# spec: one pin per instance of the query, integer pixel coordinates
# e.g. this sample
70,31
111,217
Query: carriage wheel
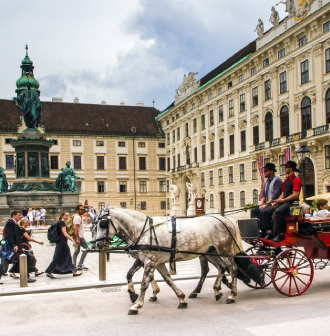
292,272
267,262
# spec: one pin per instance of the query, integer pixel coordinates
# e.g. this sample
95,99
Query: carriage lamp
302,154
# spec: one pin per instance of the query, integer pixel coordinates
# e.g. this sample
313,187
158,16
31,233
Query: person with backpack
62,261
79,238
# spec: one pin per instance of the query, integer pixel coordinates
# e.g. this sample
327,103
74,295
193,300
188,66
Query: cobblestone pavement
116,270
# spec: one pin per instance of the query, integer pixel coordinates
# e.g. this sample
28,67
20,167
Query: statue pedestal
191,211
176,210
70,199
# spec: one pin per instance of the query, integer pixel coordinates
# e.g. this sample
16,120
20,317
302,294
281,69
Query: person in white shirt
43,216
322,207
79,238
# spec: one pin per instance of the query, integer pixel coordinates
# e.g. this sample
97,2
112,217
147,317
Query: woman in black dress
62,260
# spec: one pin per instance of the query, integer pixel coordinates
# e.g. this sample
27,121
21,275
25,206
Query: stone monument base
191,211
176,210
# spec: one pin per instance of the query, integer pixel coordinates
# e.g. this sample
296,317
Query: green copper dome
27,75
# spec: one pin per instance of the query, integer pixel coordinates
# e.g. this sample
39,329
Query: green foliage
313,206
249,206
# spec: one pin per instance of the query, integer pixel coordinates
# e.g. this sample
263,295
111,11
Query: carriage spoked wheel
292,272
261,261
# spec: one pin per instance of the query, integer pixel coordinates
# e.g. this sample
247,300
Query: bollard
102,267
108,256
23,270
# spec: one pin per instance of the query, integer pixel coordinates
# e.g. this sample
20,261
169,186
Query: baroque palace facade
119,151
272,95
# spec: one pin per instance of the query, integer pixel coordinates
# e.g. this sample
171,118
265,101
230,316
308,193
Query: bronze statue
66,180
29,103
3,181
44,165
33,168
20,165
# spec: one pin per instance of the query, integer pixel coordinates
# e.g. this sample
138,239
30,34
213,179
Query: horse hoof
153,298
229,301
219,296
133,297
132,312
193,296
183,305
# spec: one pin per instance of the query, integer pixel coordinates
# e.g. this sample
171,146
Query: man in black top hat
290,193
271,192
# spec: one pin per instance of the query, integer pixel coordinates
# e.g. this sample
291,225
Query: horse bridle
104,223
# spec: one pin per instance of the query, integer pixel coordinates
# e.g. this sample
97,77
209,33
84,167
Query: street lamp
302,154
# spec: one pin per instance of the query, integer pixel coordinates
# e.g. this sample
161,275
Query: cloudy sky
128,50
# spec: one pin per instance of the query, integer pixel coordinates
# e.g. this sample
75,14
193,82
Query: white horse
202,235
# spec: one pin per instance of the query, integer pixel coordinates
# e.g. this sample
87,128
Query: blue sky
132,50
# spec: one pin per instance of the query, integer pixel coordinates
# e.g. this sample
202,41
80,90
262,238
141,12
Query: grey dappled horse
201,234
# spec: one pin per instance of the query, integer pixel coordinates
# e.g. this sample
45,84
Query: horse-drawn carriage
289,265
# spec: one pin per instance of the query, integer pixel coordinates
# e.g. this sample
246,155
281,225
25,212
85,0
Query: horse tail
237,236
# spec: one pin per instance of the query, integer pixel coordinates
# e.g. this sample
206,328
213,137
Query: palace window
143,186
187,155
231,199
281,163
167,186
281,53
168,164
99,143
100,162
173,136
195,125
122,162
121,144
167,122
220,113
267,89
269,127
231,144
202,179
255,197
254,170
178,133
122,186
177,116
203,153
302,41
141,144
143,205
173,119
326,27
77,162
231,174
161,144
184,110
304,72
163,205
174,165
241,172
210,96
179,161
167,203
243,141
76,142
240,78
201,102
203,121
100,187
230,84
265,62
255,96
211,177
242,102
7,141
195,154
162,186
242,198
142,162
53,162
253,71
101,206
306,114
211,118
256,135
193,105
220,90
168,138
327,156
212,150
231,108
55,142
221,148
328,107
10,162
327,60
161,163
122,205
284,115
220,176
211,201
283,86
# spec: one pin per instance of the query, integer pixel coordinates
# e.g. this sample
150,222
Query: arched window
188,155
242,198
328,106
211,201
255,197
306,115
284,121
231,199
269,127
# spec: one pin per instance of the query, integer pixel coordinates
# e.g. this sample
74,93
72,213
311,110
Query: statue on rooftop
260,28
274,17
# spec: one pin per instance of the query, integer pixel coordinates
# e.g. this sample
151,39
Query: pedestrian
37,217
84,218
43,216
12,234
24,212
93,211
79,238
27,248
30,216
62,261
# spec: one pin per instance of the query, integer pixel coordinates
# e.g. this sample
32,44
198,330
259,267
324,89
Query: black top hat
293,165
270,166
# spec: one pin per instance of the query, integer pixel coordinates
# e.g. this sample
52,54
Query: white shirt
43,212
323,214
78,221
